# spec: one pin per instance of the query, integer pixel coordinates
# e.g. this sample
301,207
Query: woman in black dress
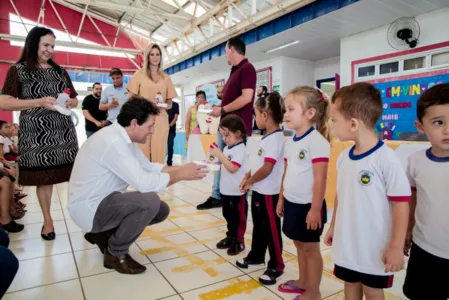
47,139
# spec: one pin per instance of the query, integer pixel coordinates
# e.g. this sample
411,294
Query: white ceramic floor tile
184,210
37,217
210,236
32,231
166,247
67,290
45,270
71,226
197,270
90,262
161,229
172,298
36,247
242,288
115,286
198,222
79,243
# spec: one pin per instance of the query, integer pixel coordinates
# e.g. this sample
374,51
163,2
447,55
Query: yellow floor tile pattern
180,254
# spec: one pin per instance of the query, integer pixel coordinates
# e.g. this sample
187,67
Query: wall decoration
211,93
399,99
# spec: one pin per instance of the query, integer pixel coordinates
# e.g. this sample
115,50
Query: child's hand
242,184
214,150
313,219
4,171
393,259
246,187
280,209
408,242
329,238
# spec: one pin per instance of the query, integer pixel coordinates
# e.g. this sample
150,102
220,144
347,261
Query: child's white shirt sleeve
273,153
238,157
411,173
397,184
320,151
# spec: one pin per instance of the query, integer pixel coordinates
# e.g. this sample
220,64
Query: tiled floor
180,255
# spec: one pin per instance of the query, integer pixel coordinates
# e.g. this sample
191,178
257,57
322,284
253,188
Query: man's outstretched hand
193,171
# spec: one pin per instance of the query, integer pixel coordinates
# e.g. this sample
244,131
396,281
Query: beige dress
140,84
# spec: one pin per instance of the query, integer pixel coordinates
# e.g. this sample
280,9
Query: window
387,68
414,63
366,71
264,78
440,59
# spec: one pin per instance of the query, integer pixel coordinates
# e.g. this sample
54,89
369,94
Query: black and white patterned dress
47,139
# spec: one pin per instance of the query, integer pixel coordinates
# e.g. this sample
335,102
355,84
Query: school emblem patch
211,158
366,178
230,157
302,154
260,152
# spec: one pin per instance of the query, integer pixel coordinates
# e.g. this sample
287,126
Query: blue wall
288,21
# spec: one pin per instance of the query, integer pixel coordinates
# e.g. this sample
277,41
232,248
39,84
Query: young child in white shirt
234,166
301,200
428,172
370,216
265,179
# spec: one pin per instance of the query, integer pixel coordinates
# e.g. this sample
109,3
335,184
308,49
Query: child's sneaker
236,248
244,263
270,276
225,243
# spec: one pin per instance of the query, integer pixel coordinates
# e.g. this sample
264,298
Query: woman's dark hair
234,124
137,108
201,93
2,123
273,104
29,53
264,89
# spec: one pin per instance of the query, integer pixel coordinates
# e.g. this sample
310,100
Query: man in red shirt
238,99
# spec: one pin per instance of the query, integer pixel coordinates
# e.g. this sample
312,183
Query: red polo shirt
243,76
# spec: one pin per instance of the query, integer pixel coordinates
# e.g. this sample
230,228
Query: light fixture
282,47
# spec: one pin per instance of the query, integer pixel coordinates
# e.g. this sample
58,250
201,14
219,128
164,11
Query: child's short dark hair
234,124
201,93
272,103
361,101
436,95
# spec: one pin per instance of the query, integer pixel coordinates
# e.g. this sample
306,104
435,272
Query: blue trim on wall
295,18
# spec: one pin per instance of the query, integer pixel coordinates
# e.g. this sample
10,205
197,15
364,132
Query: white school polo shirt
429,176
229,183
366,185
301,153
271,150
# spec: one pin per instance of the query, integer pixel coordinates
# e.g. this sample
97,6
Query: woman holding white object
153,84
47,143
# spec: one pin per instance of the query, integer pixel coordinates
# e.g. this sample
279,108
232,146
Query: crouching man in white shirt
105,166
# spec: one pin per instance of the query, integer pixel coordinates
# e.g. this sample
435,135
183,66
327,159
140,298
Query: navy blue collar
230,147
363,155
297,139
267,135
434,158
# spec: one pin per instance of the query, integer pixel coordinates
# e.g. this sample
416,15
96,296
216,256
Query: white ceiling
320,38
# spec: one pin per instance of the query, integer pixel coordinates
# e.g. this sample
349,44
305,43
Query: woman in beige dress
153,84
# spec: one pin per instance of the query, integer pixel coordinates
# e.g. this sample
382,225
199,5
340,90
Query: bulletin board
399,98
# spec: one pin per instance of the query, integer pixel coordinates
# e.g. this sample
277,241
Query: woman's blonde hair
146,63
318,100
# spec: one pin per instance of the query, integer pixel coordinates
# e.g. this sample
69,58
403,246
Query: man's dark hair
238,45
264,89
115,71
137,108
436,95
201,93
93,85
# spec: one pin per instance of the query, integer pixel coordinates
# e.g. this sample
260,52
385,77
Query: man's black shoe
210,203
